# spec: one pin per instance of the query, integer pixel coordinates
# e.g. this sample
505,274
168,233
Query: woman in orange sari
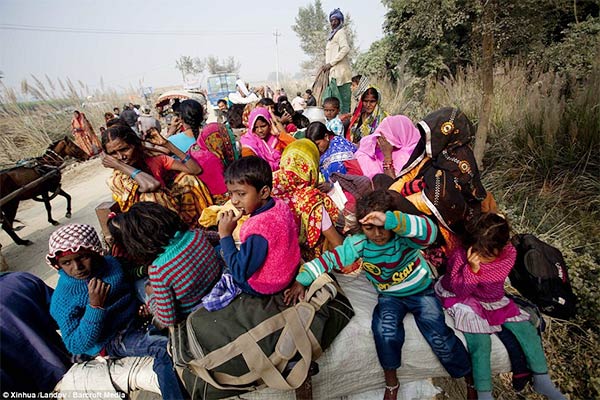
138,176
84,134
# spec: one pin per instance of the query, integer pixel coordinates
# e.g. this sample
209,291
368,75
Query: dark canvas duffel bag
257,341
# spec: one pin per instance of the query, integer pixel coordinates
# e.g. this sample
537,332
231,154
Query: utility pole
277,34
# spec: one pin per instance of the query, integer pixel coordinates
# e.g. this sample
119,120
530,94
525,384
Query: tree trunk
487,81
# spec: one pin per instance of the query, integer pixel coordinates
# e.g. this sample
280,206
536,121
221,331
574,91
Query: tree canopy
437,37
215,65
188,65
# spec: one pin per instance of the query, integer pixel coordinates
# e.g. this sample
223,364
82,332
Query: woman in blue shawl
334,149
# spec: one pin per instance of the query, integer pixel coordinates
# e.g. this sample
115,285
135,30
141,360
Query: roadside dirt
86,183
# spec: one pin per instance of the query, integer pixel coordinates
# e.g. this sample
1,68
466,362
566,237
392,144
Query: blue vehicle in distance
218,86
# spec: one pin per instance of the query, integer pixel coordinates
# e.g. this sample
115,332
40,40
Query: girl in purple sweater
473,292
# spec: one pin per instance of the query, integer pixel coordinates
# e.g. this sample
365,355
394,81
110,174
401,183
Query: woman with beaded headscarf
337,62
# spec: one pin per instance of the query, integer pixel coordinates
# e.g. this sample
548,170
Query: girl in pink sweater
473,292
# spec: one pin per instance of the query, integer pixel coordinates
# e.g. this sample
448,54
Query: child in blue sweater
390,245
95,308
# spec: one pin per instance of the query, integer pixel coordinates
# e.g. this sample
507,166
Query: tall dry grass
542,164
27,127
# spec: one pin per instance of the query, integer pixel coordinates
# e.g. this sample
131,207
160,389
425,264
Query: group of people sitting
412,208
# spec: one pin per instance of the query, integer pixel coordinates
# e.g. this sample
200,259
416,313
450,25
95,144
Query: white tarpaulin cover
350,366
348,370
102,378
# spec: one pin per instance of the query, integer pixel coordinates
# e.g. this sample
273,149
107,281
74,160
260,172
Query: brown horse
37,179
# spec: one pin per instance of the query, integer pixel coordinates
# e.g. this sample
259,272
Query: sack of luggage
540,274
257,341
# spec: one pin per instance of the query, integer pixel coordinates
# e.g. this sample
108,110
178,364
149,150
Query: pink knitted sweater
278,227
486,286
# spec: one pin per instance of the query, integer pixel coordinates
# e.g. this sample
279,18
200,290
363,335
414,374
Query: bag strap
297,330
177,336
202,367
284,350
261,367
295,337
323,280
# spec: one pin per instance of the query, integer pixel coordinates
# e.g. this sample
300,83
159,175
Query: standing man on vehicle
337,62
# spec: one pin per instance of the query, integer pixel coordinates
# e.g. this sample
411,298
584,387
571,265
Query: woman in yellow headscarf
295,183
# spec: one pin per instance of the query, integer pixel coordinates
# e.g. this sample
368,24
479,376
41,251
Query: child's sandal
391,392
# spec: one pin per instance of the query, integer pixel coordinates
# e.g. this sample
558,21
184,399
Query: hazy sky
71,43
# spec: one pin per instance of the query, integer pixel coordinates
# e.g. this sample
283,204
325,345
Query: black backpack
540,274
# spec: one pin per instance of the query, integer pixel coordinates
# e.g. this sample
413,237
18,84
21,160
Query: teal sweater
86,330
395,269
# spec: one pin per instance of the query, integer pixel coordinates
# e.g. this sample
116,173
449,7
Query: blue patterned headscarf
337,14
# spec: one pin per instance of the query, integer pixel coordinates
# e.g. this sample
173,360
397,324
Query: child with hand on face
269,254
95,308
390,245
473,292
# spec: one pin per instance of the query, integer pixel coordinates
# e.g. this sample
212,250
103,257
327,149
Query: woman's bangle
135,173
186,159
388,165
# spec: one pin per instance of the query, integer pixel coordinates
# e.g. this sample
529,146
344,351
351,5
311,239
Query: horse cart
37,179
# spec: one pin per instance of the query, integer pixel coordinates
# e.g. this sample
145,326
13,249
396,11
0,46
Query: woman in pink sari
262,139
213,169
388,150
84,134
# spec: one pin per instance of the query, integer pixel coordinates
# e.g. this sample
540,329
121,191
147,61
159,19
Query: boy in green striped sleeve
390,245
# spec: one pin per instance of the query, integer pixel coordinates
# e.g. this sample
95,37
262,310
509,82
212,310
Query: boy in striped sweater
183,266
390,245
